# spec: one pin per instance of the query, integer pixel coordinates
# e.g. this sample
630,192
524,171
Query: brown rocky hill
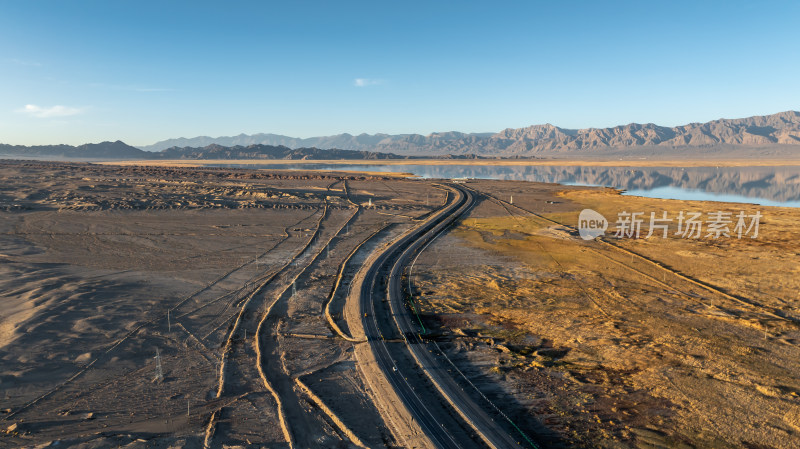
776,129
769,130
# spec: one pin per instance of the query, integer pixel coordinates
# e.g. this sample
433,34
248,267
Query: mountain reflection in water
775,186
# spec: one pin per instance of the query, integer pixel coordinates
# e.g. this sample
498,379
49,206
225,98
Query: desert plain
173,306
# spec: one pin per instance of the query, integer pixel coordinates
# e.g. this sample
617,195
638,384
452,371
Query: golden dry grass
643,355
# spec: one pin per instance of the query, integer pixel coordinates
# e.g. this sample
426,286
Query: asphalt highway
410,364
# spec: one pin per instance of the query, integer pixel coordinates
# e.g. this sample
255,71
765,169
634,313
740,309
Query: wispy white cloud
49,112
364,82
23,62
152,89
132,88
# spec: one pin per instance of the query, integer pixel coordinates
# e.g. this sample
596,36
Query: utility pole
159,371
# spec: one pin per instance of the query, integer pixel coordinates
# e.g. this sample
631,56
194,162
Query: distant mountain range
719,138
121,150
261,151
770,130
103,150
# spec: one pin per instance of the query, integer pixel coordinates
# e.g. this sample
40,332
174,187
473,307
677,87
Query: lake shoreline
472,162
765,185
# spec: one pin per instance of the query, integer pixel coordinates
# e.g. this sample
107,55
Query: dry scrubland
616,344
584,342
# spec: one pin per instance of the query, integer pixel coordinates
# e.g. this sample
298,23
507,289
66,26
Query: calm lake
768,186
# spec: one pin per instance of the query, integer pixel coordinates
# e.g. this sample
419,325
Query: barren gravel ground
93,259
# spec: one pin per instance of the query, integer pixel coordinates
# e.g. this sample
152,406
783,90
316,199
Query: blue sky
140,71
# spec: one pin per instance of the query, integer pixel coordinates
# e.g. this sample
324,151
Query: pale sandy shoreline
471,162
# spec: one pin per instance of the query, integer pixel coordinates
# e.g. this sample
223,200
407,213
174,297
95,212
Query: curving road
414,368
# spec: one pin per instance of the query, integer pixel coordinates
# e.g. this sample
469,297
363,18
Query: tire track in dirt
337,283
277,380
211,427
158,317
228,345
